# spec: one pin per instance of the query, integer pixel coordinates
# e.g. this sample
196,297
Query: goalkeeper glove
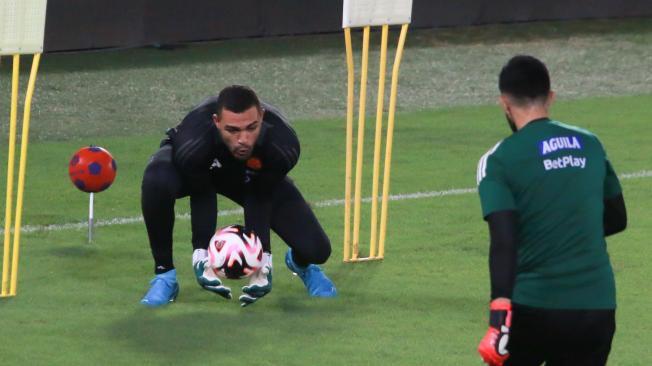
492,347
206,277
260,283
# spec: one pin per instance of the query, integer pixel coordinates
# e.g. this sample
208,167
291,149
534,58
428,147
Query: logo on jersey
563,162
559,143
254,163
216,164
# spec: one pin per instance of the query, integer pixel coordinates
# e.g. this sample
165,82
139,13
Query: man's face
239,130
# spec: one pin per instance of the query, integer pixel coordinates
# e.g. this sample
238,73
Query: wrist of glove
260,283
493,347
206,277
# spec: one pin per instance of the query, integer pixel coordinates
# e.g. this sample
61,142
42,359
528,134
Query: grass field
426,303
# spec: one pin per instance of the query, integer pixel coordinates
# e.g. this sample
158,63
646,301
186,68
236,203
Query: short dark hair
237,99
524,78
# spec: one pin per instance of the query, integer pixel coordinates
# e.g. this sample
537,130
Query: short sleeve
612,186
494,191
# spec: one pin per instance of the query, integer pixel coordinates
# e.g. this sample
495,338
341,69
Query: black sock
158,269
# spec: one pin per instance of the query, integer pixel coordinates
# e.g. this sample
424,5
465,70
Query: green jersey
556,178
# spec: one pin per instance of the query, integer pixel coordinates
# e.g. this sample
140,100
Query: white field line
319,204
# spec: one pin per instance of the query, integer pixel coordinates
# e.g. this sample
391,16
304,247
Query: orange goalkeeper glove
493,347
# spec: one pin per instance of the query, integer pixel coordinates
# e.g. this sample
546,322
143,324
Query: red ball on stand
92,169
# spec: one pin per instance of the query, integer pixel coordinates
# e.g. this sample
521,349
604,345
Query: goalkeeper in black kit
550,197
241,148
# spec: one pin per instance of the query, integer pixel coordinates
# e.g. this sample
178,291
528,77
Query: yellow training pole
358,162
349,144
10,174
390,138
373,244
21,171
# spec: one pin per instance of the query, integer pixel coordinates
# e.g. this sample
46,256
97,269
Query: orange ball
92,169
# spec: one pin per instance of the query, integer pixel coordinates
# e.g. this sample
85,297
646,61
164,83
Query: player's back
555,173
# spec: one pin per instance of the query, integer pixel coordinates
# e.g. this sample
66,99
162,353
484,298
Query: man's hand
206,277
492,347
260,283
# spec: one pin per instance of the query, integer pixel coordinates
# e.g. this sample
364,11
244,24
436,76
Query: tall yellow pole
390,138
10,174
349,144
373,244
27,109
360,146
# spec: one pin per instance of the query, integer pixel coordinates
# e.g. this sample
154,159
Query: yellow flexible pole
373,244
390,138
10,174
360,147
21,171
349,144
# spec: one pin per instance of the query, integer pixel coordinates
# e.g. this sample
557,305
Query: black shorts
560,337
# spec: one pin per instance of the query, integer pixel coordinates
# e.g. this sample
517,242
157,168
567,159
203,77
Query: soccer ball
92,169
234,253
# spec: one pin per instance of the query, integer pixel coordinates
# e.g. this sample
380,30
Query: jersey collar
533,122
542,119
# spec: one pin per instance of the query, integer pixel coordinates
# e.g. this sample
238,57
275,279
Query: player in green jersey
550,197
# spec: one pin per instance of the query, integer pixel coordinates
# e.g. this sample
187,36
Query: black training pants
560,337
291,216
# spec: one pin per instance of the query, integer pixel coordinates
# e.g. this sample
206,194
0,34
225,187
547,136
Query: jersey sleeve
193,141
280,149
612,186
494,191
257,205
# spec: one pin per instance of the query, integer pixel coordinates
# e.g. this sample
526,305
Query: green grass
425,304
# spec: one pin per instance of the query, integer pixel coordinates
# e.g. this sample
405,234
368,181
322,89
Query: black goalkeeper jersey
199,150
206,164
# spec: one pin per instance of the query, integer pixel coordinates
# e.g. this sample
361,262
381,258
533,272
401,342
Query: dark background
83,24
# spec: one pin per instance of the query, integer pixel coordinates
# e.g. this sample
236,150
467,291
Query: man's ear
551,98
503,100
216,119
